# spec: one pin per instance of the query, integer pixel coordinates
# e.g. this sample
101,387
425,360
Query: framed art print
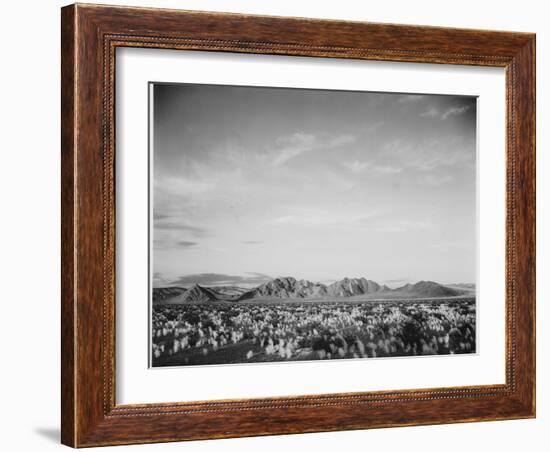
285,183
279,225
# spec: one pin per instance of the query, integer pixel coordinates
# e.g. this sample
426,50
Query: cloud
323,219
175,225
455,111
436,180
296,139
159,216
433,112
290,146
358,167
430,154
402,226
340,140
252,242
216,279
185,243
159,279
435,159
410,98
168,244
395,283
388,169
182,185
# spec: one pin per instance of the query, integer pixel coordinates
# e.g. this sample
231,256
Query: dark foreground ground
228,333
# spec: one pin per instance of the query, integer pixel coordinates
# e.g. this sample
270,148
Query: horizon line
256,284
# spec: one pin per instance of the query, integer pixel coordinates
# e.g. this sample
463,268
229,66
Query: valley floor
230,333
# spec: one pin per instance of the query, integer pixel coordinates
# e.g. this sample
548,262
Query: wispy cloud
359,167
185,243
455,111
252,242
395,283
436,180
218,279
159,216
169,244
183,185
175,225
356,166
290,146
397,226
410,98
387,169
339,140
429,154
323,219
159,279
442,158
433,112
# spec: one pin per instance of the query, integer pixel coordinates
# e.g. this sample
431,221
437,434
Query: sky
252,183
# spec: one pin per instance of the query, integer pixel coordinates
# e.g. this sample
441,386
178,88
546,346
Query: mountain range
290,288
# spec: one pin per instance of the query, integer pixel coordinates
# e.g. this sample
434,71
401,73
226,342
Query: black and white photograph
291,224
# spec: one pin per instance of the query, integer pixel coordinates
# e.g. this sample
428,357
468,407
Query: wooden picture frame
90,36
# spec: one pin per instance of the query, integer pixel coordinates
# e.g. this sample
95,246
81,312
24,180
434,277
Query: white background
138,384
29,386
